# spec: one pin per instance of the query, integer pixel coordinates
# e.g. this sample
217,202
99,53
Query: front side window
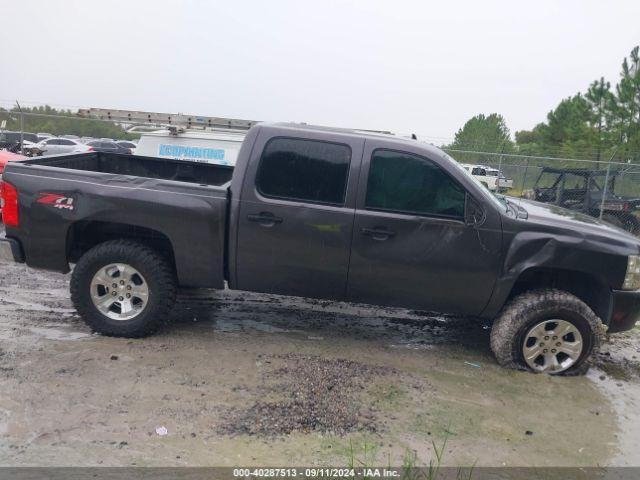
406,183
305,170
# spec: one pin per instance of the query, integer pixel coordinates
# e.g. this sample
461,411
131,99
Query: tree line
601,124
47,119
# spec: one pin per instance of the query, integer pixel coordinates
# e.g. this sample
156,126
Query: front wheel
123,289
547,331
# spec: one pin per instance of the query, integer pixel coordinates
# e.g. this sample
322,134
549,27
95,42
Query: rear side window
306,170
406,183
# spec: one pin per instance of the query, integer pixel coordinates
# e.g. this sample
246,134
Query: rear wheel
123,289
547,331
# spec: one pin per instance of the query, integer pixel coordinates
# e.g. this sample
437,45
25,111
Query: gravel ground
315,395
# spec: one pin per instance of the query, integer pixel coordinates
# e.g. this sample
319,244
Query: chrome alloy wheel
552,346
119,291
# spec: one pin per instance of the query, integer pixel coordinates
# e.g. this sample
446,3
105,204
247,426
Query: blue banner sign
197,153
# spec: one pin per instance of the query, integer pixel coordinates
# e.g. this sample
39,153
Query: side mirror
474,215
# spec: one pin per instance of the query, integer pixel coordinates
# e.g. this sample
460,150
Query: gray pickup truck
324,213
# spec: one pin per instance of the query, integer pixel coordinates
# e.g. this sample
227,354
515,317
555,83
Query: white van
207,146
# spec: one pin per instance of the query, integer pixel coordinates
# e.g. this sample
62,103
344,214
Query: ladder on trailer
171,121
177,122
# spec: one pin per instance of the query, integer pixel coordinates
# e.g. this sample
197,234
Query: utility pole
21,128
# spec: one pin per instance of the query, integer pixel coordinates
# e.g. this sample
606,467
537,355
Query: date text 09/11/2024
365,472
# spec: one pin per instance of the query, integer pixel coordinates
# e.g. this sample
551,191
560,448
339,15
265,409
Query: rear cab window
304,170
406,183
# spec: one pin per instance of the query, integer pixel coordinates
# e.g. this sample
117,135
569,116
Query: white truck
490,177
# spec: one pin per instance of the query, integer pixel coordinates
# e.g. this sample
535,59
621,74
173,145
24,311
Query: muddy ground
247,379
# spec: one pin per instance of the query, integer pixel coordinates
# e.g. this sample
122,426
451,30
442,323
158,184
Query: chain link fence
22,130
606,190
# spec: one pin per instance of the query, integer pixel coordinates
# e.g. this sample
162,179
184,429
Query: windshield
497,200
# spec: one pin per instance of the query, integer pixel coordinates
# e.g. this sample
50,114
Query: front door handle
266,219
378,233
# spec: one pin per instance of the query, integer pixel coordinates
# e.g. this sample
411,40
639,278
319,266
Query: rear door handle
266,219
378,233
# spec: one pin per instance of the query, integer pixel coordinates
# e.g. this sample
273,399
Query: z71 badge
56,200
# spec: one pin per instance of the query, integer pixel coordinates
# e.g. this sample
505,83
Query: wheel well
83,236
588,288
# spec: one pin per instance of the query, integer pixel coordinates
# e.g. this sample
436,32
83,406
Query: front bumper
10,250
626,310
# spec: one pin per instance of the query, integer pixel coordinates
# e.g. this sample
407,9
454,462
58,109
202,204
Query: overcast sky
422,67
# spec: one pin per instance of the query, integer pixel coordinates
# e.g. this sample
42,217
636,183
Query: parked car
582,189
44,136
490,177
107,147
331,214
127,144
8,136
5,157
30,149
11,140
56,145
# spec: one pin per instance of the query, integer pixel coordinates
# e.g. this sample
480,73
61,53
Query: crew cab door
296,214
412,247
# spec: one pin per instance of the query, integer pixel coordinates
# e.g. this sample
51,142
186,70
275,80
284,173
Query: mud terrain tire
527,310
154,269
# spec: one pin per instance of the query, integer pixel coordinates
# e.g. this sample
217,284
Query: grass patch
412,468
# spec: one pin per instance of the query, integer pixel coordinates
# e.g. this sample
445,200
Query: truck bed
147,167
66,199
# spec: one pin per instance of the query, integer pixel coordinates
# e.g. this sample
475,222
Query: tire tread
516,314
161,271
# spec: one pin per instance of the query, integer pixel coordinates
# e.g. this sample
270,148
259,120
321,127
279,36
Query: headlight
632,278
